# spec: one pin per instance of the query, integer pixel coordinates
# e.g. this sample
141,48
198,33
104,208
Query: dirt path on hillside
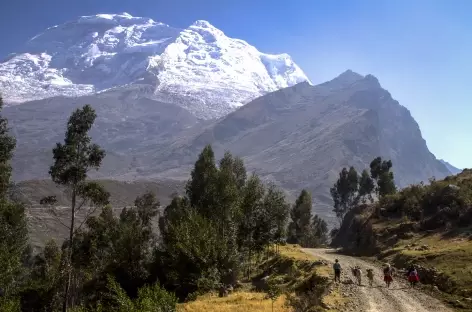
398,298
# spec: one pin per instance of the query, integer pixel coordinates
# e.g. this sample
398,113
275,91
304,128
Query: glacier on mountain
199,67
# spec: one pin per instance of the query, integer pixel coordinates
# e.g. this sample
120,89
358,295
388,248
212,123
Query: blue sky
421,50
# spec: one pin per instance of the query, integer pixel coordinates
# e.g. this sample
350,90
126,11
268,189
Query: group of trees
13,227
207,237
106,262
224,219
351,188
306,229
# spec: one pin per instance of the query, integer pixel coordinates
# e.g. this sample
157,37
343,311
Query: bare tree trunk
69,255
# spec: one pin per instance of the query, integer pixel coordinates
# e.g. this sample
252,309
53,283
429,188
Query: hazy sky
420,50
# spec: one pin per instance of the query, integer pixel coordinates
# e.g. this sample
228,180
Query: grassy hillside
43,225
429,226
301,278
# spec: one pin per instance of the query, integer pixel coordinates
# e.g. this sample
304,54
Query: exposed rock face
302,136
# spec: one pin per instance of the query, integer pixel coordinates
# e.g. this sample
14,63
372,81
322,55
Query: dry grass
449,255
236,302
334,299
246,301
448,252
295,252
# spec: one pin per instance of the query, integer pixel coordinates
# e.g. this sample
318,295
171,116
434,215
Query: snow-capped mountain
199,67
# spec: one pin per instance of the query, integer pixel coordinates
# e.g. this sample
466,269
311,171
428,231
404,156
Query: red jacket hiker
413,276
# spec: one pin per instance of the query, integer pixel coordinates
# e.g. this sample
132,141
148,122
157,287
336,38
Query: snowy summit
209,73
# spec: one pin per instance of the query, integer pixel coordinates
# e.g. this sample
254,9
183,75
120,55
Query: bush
9,305
155,299
436,205
151,298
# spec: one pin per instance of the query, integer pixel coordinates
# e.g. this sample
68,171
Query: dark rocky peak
372,81
344,80
349,76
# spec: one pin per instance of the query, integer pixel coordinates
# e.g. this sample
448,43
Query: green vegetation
380,172
351,189
13,229
428,226
222,229
289,288
306,229
72,161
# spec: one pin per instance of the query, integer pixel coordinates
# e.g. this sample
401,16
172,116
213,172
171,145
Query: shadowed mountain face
299,137
302,136
124,123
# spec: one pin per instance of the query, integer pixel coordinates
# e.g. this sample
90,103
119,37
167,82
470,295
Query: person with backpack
358,275
370,276
337,271
388,272
413,277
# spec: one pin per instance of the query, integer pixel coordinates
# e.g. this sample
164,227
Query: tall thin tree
301,216
73,159
344,192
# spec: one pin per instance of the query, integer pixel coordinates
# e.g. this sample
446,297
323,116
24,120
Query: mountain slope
198,68
298,137
303,135
125,123
450,167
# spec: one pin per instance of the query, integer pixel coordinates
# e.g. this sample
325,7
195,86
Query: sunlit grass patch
295,252
235,302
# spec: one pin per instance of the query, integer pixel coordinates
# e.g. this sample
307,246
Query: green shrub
151,298
440,203
9,305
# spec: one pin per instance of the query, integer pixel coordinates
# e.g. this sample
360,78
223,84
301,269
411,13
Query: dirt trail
398,298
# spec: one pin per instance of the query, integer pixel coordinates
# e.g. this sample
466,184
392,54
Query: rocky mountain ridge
451,168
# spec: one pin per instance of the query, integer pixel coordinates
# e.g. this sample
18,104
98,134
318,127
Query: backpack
413,273
386,271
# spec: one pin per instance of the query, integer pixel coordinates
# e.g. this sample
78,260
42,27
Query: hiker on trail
337,271
358,275
413,277
388,271
370,276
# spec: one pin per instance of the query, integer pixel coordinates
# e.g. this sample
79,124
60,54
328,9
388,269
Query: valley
146,167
